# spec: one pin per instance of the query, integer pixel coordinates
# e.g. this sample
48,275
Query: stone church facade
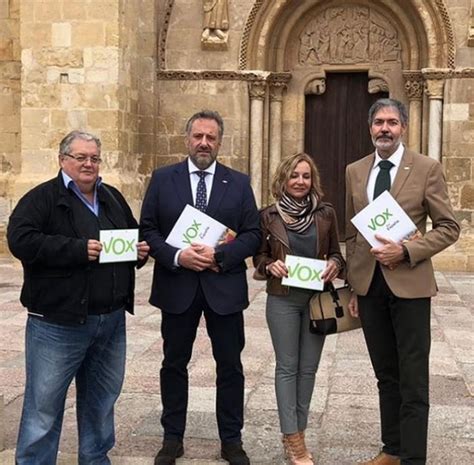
133,71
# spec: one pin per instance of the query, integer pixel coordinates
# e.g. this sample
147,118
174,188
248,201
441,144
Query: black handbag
329,313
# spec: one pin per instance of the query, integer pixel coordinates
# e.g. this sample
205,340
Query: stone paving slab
344,420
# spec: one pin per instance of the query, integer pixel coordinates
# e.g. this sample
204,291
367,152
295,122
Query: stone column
434,89
257,91
414,91
276,99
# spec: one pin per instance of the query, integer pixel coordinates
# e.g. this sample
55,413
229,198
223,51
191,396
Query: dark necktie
382,183
201,191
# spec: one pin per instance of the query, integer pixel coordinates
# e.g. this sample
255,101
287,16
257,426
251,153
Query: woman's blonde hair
286,168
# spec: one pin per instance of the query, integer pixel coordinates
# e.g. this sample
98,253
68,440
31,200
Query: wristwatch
219,259
406,255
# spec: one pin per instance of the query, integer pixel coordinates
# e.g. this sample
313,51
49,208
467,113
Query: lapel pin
406,167
224,181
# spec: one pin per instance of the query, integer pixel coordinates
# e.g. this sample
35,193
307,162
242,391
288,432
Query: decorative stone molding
315,87
449,31
163,34
349,34
257,90
377,85
218,75
470,37
246,33
413,84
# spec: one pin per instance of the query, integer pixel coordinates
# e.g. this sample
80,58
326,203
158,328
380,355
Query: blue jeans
93,353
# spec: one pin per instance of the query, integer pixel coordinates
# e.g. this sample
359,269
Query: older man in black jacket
76,305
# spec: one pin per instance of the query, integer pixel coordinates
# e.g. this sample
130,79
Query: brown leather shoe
382,459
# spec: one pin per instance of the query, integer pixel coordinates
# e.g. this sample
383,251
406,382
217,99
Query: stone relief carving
348,35
377,85
215,24
316,87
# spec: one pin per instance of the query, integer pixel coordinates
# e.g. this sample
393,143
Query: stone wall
10,97
179,99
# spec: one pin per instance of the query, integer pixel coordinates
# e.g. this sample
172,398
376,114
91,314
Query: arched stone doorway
403,47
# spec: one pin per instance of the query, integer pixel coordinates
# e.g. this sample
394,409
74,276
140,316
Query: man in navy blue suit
201,279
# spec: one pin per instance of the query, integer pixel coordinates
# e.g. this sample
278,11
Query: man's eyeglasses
82,158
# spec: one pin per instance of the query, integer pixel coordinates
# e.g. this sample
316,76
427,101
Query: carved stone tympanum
349,34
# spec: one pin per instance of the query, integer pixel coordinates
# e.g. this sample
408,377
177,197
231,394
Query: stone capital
257,90
413,84
276,91
435,88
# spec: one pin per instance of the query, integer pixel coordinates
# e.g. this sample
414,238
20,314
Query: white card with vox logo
194,226
385,217
304,272
118,245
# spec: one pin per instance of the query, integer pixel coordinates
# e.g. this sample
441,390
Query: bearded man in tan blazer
393,284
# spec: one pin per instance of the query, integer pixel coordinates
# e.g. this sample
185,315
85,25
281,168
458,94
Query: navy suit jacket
232,203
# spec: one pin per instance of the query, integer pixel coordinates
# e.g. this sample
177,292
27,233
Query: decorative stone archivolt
315,87
349,34
215,27
377,85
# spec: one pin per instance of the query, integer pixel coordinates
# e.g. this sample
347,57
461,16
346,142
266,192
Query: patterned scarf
297,214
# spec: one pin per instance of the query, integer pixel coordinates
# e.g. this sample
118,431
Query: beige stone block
107,10
100,96
112,35
456,112
61,57
37,163
10,70
61,34
88,34
77,119
70,95
35,138
34,118
458,169
74,10
7,104
40,95
103,119
6,49
10,123
10,142
177,144
110,139
101,57
146,124
47,10
4,13
59,118
33,34
467,197
100,76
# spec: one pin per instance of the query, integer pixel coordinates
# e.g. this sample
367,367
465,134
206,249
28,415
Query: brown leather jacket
275,244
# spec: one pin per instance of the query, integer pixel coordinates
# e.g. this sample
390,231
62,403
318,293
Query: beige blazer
420,189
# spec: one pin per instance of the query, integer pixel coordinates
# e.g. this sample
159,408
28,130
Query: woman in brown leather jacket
298,223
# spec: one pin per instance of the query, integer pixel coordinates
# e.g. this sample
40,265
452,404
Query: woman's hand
353,306
331,271
277,269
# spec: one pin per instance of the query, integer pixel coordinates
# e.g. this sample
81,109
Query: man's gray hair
65,144
206,114
392,103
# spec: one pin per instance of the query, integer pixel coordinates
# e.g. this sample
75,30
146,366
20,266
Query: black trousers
397,333
227,339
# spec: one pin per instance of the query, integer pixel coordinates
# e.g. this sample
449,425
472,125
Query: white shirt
194,178
395,158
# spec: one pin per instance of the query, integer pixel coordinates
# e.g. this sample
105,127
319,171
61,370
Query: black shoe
169,452
234,453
